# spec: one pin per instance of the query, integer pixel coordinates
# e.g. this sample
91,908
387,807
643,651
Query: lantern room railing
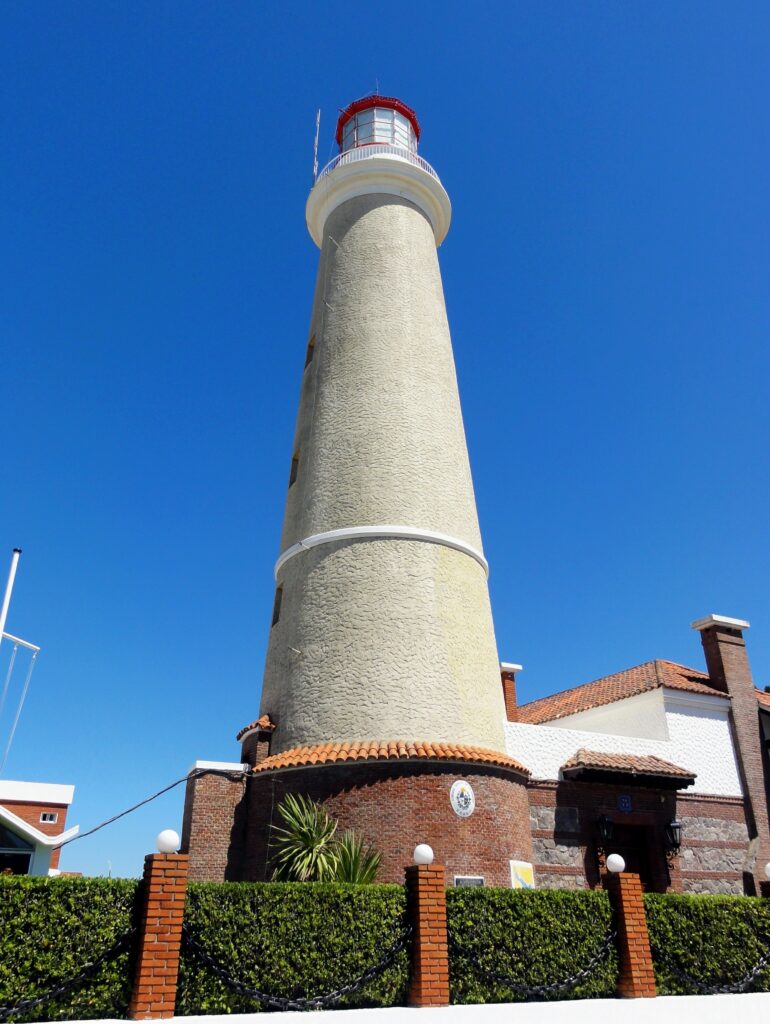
365,152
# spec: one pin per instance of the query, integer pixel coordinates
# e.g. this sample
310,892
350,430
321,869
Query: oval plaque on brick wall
462,798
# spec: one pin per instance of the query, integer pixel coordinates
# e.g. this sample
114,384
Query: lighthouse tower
382,693
382,628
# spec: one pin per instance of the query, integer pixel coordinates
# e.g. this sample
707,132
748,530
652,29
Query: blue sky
606,277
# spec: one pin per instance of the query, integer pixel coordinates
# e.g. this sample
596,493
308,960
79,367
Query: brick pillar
160,935
637,978
730,672
426,899
508,675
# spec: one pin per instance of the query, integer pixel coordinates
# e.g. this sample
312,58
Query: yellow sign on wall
522,875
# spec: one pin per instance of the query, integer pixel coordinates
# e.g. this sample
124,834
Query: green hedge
293,940
49,929
533,937
715,939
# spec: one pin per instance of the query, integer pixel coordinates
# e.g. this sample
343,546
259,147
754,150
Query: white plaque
462,798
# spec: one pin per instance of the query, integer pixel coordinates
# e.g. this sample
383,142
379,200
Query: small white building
32,820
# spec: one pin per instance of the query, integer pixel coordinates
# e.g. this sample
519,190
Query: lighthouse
382,693
382,627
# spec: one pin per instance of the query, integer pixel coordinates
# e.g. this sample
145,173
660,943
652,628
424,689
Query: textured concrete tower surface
383,624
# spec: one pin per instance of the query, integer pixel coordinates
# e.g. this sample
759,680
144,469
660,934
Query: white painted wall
642,715
699,740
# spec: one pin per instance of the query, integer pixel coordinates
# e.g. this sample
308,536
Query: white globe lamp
167,841
615,863
423,854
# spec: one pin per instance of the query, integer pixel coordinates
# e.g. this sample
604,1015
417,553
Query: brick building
33,816
604,767
383,696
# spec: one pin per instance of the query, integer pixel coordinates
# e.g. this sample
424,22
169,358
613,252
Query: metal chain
282,1003
88,971
711,990
537,990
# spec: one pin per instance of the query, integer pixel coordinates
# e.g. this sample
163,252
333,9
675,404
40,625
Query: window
15,852
310,351
49,817
379,124
277,605
294,469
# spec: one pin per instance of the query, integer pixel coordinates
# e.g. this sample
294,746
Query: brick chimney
730,673
508,675
255,740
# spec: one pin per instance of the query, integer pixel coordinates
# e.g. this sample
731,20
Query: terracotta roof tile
264,724
648,676
764,699
389,750
635,764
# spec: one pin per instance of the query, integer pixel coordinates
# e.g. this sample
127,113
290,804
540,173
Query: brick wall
394,806
213,826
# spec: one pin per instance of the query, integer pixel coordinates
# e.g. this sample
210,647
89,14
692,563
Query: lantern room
381,120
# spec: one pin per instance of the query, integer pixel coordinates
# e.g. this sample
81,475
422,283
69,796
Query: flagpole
9,590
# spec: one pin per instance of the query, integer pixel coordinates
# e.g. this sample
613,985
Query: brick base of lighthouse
392,805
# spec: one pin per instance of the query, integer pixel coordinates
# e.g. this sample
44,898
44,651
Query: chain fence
88,971
536,990
302,1003
722,988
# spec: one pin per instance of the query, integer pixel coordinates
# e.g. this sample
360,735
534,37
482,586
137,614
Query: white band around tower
378,169
377,533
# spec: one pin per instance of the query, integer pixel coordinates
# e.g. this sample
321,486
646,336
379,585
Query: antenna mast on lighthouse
315,145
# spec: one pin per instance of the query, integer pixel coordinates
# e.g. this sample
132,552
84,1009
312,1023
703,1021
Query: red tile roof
764,699
390,750
648,676
645,764
263,724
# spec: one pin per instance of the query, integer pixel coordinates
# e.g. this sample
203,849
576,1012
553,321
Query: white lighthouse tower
382,624
382,695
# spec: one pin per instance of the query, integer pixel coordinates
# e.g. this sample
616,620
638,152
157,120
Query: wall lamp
674,835
606,829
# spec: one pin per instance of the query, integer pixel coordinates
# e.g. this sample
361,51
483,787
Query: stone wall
563,818
715,844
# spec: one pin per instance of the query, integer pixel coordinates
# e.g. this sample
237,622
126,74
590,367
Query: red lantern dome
378,119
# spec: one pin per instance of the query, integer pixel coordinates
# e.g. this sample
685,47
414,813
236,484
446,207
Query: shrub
305,849
50,928
308,849
533,937
291,939
715,939
357,862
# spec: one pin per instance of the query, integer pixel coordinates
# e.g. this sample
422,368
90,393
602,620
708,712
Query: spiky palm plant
356,861
305,850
